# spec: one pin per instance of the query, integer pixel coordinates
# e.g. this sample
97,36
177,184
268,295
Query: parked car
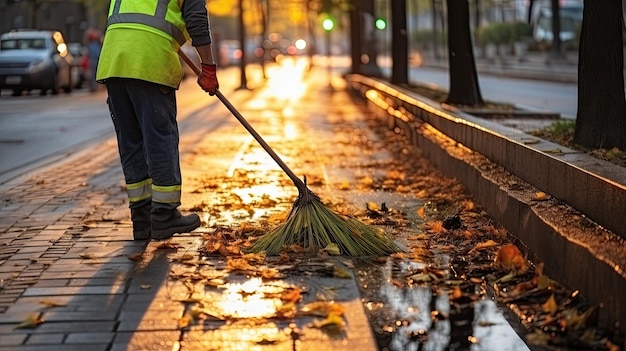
230,52
35,59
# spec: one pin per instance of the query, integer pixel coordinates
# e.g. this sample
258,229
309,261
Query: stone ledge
477,152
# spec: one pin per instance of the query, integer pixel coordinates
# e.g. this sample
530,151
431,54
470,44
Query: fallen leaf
540,196
550,306
420,277
340,272
421,212
510,258
185,320
32,321
136,256
51,303
145,286
322,309
291,295
483,245
168,245
86,256
332,249
333,321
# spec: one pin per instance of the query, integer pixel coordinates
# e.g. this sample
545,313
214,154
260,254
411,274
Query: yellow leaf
332,321
550,305
341,273
322,309
31,321
345,185
51,303
332,249
540,195
367,181
372,206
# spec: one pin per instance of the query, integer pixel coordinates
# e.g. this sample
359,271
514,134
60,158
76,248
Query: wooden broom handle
296,181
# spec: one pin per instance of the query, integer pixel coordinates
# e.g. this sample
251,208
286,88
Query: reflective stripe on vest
157,21
139,191
166,194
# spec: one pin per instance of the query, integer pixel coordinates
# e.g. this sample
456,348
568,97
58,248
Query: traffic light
328,24
380,23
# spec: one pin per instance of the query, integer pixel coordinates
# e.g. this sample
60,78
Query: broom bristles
311,224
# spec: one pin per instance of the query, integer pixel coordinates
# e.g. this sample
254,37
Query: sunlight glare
247,300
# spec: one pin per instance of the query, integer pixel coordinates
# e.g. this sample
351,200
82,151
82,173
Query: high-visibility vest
142,40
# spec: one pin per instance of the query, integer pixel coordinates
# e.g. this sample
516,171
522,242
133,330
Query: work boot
141,222
166,222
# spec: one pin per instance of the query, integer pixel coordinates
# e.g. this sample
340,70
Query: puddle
423,317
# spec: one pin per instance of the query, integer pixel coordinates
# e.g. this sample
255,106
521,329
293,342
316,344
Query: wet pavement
73,279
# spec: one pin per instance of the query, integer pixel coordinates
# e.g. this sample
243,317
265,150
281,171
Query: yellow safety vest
142,40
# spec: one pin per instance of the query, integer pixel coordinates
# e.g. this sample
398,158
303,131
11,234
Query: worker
141,69
94,45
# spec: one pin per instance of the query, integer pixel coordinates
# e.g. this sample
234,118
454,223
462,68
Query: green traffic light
328,24
380,23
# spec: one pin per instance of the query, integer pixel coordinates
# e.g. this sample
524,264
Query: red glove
207,80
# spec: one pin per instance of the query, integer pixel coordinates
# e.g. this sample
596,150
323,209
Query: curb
575,250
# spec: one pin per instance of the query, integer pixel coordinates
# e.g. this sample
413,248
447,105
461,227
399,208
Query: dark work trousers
144,116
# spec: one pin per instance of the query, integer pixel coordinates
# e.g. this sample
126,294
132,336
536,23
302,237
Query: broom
310,223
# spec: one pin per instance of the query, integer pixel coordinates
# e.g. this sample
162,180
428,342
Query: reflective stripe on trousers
139,191
166,194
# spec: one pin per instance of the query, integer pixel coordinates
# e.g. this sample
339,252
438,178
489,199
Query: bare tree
464,87
601,116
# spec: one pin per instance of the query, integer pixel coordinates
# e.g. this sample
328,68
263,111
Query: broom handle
296,181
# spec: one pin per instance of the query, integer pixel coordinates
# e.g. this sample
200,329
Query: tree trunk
601,116
355,37
399,50
464,87
555,49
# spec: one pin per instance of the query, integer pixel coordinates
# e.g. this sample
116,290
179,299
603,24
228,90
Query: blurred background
272,28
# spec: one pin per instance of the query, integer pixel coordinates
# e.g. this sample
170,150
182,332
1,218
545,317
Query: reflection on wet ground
423,317
438,295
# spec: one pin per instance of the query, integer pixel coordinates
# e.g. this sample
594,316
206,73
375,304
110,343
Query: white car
33,59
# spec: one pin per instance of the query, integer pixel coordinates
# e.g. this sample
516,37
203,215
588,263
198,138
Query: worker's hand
208,79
